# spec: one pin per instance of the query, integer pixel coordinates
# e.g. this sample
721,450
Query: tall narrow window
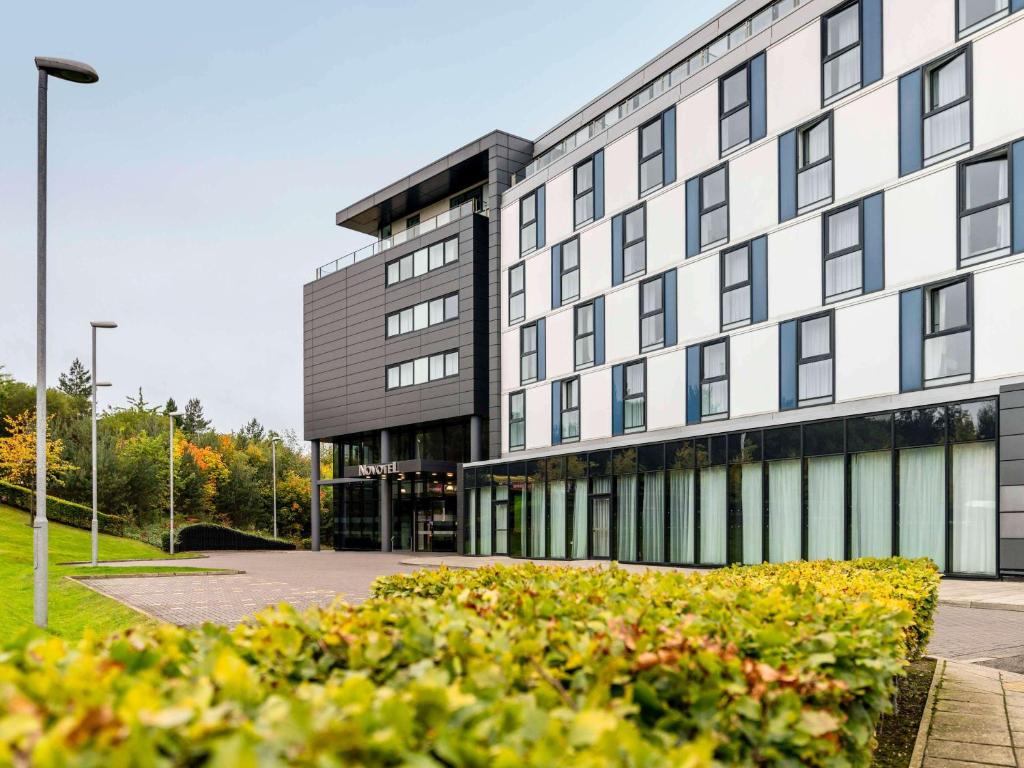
714,207
714,380
652,314
815,360
651,165
984,208
517,421
736,270
844,255
583,196
635,401
734,109
570,276
634,252
516,293
570,409
584,335
840,68
528,223
972,15
528,353
947,338
814,164
947,107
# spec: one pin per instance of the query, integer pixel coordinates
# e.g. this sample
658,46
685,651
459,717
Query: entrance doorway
424,513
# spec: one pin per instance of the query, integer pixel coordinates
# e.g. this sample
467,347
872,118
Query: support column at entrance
476,438
314,495
385,493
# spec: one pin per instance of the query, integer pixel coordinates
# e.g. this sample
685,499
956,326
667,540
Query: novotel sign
376,470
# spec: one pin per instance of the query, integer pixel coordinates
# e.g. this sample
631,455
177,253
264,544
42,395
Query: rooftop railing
398,238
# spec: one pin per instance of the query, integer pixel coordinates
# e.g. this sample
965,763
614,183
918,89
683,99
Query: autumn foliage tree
18,451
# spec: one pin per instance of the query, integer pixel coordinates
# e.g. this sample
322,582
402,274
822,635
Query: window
412,222
570,277
423,315
422,370
984,208
947,107
528,354
584,335
475,195
972,15
634,401
814,164
947,337
651,165
714,207
840,67
814,360
570,409
517,421
528,223
736,269
734,109
634,252
714,380
423,260
385,232
516,293
844,255
652,314
583,195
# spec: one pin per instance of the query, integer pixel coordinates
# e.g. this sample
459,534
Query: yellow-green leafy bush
497,667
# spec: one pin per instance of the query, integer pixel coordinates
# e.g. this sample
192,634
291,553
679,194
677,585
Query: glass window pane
975,11
736,263
844,229
407,378
651,296
650,138
584,211
530,339
734,90
420,262
714,398
405,321
947,82
842,73
974,508
814,143
948,307
814,185
714,227
585,319
922,499
985,182
736,129
816,380
436,311
570,255
635,258
714,360
451,250
451,307
736,305
713,188
393,325
948,355
973,421
634,379
393,377
713,505
825,507
634,225
652,331
436,255
871,504
529,211
584,176
585,350
947,131
843,275
570,286
570,425
436,367
421,373
985,232
528,238
405,267
784,510
420,316
451,363
393,273
842,30
517,307
516,278
814,337
518,405
651,173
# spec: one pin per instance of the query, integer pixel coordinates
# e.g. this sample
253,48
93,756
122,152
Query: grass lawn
73,607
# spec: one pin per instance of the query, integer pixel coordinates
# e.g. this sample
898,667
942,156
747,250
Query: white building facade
764,300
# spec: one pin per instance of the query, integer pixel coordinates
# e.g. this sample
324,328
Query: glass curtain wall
538,512
653,544
558,510
517,543
826,490
869,440
580,518
682,501
626,518
713,503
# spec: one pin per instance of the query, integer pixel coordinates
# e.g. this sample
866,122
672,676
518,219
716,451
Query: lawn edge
155,574
917,756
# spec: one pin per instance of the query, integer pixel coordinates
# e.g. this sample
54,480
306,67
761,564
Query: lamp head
103,324
104,384
66,69
175,413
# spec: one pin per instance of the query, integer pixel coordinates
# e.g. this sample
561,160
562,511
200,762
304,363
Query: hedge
203,536
522,666
61,511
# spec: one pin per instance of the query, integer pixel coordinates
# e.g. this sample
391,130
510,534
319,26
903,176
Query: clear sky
193,189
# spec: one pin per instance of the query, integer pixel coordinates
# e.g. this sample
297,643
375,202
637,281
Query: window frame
706,380
524,224
511,420
829,158
522,291
644,315
578,195
626,243
641,158
1006,153
411,256
723,288
702,211
826,256
412,307
801,360
523,329
566,299
827,57
723,115
412,362
929,289
576,335
563,410
926,69
979,25
642,362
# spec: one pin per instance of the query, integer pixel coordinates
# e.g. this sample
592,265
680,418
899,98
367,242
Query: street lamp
95,515
75,72
171,416
273,469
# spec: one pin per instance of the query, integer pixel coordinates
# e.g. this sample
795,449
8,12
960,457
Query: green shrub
523,666
61,511
203,536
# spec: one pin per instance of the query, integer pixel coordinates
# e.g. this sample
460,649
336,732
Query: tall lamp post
95,514
273,470
75,72
171,417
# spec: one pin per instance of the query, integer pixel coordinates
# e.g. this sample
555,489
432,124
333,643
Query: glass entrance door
601,521
435,527
501,520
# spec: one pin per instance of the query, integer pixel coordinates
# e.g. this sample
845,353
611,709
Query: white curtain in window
814,184
923,503
871,504
626,516
815,379
538,521
974,11
784,510
842,72
471,543
580,520
680,500
825,508
653,543
752,505
844,230
556,489
949,81
485,521
712,515
947,130
974,508
843,274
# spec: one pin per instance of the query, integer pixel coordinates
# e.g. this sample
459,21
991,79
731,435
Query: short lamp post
171,416
95,514
273,472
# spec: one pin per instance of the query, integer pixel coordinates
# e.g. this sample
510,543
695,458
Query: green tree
252,432
77,382
170,407
193,420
